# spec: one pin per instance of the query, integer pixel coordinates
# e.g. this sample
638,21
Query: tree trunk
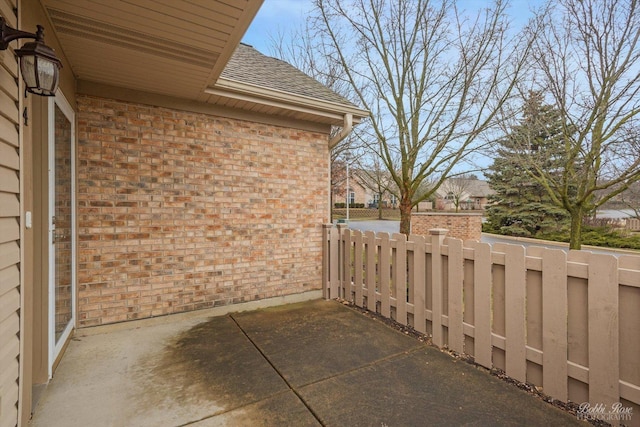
405,215
575,234
331,207
380,208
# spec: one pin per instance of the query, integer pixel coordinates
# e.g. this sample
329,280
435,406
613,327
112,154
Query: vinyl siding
9,231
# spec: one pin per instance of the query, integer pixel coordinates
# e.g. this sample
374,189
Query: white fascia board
238,90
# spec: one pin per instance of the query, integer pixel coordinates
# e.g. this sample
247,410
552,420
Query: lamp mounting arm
9,34
39,65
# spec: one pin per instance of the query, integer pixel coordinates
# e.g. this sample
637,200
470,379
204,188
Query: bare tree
374,176
587,58
457,187
631,199
338,179
433,78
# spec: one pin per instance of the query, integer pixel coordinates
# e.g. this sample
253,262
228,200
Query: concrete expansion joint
231,409
266,358
369,364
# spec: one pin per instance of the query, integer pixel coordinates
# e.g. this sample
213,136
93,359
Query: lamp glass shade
40,68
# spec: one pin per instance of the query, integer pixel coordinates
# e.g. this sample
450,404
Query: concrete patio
311,363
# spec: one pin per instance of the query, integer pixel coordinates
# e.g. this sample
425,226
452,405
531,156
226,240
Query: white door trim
67,110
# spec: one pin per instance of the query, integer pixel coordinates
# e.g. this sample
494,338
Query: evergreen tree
521,206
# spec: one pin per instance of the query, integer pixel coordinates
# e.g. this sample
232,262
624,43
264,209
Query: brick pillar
465,226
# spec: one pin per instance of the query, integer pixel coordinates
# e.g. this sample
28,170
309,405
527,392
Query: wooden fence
569,323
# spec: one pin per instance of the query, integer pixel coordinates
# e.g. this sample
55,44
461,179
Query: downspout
347,127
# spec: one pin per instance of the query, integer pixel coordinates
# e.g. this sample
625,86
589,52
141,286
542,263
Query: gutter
228,87
349,114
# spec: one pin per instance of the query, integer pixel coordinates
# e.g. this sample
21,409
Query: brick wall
180,211
461,225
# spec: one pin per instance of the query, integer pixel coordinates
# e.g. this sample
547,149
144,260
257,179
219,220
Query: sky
281,16
275,16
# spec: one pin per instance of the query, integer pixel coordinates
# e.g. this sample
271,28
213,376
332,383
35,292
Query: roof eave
234,89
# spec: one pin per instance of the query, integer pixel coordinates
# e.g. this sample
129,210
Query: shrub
599,236
603,235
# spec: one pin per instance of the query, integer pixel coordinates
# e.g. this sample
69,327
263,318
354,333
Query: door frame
61,102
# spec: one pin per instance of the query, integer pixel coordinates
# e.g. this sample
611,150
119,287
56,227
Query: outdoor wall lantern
39,64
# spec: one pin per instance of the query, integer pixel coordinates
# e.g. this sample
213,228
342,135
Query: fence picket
400,277
437,239
335,260
603,330
554,324
370,269
515,329
357,263
384,260
419,283
347,278
456,277
629,327
482,304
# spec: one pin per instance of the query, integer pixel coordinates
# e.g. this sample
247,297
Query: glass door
61,225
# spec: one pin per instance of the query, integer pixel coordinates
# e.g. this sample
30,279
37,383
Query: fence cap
438,231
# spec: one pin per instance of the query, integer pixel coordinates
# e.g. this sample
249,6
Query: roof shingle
249,66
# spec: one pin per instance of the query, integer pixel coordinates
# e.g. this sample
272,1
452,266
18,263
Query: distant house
628,199
472,194
359,193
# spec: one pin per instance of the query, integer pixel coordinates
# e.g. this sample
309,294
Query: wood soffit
181,49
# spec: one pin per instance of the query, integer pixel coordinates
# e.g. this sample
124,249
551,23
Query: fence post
326,266
437,238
